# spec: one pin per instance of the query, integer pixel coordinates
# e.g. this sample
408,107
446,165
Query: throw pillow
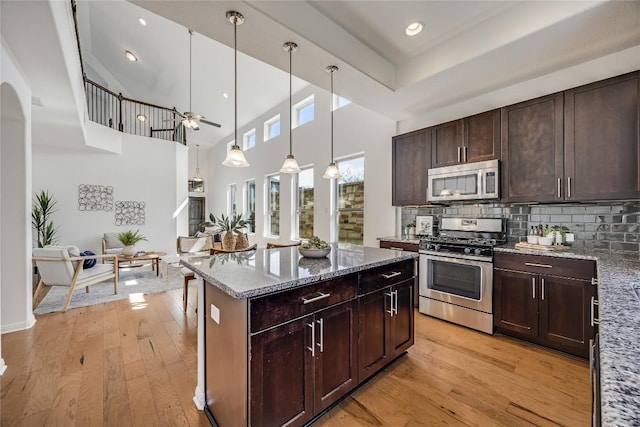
88,263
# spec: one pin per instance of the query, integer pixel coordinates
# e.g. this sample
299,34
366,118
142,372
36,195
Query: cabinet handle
306,300
594,321
395,301
312,349
321,344
464,154
559,187
459,155
533,264
395,249
542,284
533,287
390,275
568,187
390,295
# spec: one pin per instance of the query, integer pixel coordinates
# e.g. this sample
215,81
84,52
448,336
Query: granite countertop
264,271
399,239
619,331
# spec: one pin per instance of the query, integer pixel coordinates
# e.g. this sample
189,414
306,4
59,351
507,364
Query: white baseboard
198,399
19,326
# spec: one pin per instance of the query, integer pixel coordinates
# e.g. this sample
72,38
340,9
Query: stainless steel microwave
467,181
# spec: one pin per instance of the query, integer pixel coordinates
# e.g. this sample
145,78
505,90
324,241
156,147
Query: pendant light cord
290,107
190,37
235,81
331,103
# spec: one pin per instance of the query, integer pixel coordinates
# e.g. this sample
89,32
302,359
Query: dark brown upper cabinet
601,139
472,139
532,150
411,158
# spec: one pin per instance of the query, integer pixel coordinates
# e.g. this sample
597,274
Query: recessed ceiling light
414,28
225,94
142,22
131,57
141,117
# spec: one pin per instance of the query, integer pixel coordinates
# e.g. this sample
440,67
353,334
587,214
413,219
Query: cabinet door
532,150
411,158
336,353
565,316
446,144
482,137
282,375
516,302
402,320
602,125
374,338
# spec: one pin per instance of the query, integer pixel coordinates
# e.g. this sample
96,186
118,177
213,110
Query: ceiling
468,50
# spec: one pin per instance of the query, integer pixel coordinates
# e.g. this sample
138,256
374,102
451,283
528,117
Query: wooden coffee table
138,260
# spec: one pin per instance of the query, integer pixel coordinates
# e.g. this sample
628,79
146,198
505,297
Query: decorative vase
129,250
229,241
242,241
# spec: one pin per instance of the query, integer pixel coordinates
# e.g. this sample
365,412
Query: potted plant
43,206
129,239
230,225
410,229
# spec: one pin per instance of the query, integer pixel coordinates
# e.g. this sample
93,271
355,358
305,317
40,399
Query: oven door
464,282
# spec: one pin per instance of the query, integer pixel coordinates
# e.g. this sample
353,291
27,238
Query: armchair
58,268
111,245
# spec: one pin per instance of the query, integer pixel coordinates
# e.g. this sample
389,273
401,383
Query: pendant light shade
235,157
332,171
290,165
197,177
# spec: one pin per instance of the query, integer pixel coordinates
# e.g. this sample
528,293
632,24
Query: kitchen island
285,337
619,330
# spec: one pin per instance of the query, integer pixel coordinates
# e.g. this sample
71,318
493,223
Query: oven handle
458,260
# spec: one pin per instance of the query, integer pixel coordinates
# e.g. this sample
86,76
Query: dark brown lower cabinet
300,368
551,310
386,326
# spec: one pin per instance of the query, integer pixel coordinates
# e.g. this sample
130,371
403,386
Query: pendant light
189,120
290,165
332,171
197,177
235,157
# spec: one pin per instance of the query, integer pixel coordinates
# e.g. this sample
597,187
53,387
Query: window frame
295,111
267,127
335,102
232,196
336,198
268,231
296,203
247,204
245,138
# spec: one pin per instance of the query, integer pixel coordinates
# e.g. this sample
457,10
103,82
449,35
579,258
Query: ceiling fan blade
210,123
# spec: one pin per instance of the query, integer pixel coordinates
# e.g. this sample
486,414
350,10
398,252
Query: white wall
148,170
356,130
15,205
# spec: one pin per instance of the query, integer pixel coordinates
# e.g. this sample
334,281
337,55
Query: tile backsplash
611,227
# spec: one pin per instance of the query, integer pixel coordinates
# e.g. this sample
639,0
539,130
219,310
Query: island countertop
619,330
264,271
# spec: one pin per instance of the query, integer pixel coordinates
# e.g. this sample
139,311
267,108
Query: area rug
135,280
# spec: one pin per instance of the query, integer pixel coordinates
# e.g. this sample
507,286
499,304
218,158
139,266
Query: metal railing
131,116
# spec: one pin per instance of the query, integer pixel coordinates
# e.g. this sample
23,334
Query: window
249,139
233,200
250,204
273,205
303,112
304,210
229,145
350,200
339,101
272,128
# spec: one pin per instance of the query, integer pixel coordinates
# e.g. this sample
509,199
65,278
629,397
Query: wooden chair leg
41,291
185,293
68,300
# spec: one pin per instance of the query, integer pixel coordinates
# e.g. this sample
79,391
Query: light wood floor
134,363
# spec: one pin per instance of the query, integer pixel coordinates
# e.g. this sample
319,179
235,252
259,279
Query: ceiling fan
190,120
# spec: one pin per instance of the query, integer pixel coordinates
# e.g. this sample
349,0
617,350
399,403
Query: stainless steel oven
456,272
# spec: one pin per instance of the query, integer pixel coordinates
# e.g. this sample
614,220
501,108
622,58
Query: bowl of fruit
314,248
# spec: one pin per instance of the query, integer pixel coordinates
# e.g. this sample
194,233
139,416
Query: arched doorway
15,212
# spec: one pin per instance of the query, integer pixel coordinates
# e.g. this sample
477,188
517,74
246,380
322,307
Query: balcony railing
131,116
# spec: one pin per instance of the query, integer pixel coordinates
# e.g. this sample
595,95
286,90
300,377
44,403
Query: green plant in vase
129,239
43,206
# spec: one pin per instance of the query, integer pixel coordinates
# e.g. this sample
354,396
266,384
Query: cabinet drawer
553,266
278,308
384,276
411,247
